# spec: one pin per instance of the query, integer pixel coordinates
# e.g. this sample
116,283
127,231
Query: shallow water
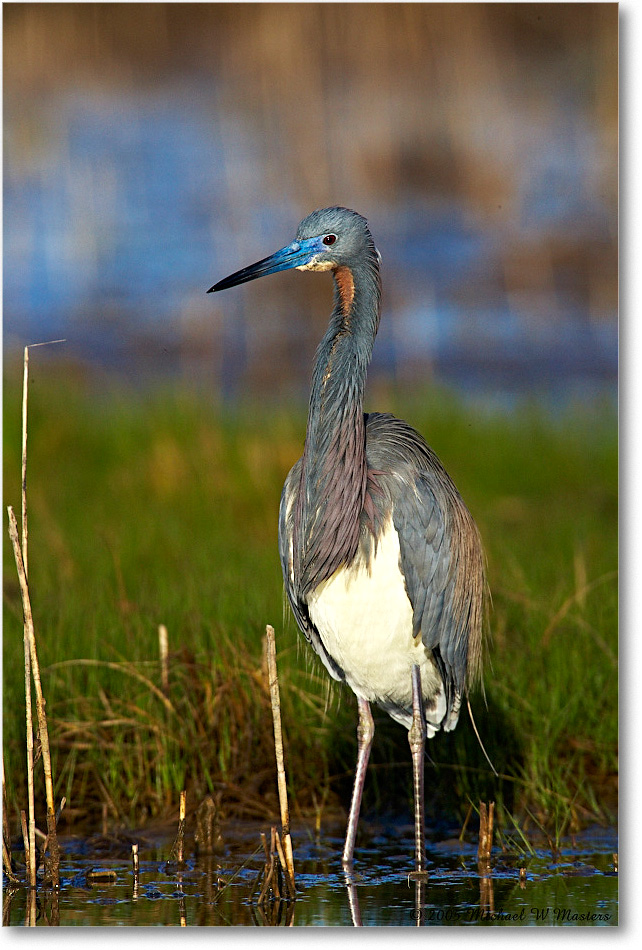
575,887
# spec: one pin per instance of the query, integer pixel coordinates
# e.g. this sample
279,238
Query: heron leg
365,735
417,741
353,898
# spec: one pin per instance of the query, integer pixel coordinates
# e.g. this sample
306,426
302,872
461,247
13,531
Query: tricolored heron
382,561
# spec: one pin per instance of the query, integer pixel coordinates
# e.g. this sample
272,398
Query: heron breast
364,618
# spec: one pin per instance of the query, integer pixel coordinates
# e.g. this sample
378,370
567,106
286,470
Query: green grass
156,507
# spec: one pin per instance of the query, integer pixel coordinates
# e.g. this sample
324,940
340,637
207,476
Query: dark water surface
576,886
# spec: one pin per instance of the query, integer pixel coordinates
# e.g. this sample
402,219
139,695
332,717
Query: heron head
325,240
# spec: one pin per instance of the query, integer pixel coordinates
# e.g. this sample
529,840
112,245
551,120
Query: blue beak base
294,255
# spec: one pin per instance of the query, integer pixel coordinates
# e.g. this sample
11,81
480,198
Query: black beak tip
211,289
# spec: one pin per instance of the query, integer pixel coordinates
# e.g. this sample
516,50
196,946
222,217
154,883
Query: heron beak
296,254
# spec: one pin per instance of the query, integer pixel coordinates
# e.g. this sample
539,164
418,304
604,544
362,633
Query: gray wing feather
440,550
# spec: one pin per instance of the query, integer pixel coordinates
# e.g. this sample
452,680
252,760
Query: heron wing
440,551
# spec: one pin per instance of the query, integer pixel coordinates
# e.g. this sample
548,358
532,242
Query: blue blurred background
150,149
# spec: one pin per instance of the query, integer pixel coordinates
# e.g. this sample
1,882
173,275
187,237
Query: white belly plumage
364,618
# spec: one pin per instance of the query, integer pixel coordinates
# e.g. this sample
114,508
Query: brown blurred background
150,149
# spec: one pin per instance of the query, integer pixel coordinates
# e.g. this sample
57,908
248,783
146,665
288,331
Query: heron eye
329,239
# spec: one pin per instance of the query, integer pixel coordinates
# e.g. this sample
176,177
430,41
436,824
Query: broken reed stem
270,867
163,647
286,871
40,701
491,822
278,745
486,822
45,843
267,878
135,866
276,890
181,827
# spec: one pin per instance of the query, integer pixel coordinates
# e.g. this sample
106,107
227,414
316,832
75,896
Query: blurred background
150,149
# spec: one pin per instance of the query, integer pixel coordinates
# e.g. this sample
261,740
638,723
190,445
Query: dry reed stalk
25,839
31,835
40,701
290,893
486,821
181,826
268,871
163,646
135,868
276,890
31,660
6,863
278,745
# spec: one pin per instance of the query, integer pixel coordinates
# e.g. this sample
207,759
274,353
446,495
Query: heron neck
334,468
339,377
